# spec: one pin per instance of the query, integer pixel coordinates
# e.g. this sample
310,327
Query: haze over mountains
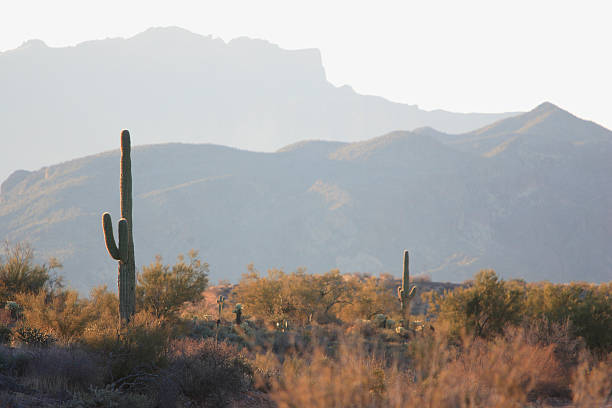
171,85
530,196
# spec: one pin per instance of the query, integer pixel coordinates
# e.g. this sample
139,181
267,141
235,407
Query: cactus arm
412,292
107,226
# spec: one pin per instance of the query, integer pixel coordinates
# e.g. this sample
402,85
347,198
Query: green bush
588,307
163,289
485,308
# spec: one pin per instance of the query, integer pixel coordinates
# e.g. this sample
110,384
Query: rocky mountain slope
529,196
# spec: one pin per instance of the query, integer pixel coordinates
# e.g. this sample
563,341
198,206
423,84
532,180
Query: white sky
459,55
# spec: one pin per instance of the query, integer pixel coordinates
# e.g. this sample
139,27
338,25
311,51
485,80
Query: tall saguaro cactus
124,252
404,292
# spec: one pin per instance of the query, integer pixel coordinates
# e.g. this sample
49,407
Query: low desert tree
162,289
332,292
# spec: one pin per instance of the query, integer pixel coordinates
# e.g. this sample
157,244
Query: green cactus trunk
220,302
404,292
124,252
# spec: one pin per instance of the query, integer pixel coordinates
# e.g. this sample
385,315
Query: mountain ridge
534,214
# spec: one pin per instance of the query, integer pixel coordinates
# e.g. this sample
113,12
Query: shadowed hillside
539,209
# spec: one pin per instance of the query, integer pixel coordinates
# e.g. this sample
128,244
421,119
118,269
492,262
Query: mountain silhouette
171,85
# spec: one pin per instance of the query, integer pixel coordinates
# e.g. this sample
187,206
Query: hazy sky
459,55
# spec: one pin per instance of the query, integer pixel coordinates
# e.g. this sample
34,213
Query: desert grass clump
351,379
109,397
134,349
592,382
61,370
427,371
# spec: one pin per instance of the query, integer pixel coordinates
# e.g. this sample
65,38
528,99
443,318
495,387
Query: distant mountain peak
546,107
543,114
536,133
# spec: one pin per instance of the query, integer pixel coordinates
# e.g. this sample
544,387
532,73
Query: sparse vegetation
301,340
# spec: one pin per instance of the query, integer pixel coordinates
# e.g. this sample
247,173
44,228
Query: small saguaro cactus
404,292
220,302
238,311
124,251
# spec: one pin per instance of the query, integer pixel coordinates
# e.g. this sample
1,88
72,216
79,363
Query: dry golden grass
506,372
592,385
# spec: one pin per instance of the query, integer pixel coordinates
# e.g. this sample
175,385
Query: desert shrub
362,328
207,371
102,304
503,372
567,346
34,337
266,370
6,334
262,297
485,308
162,289
297,297
102,330
62,313
19,274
